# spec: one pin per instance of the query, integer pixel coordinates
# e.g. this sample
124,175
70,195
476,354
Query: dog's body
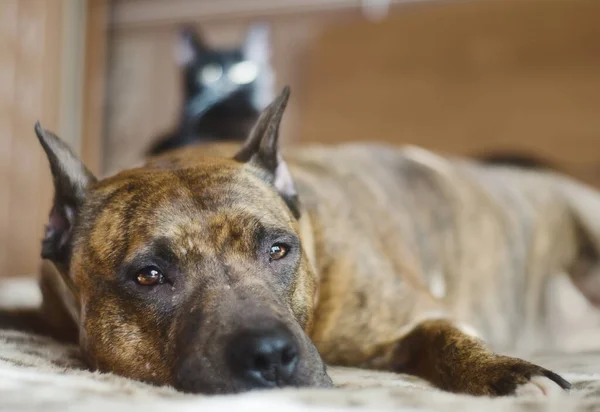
392,259
399,235
420,236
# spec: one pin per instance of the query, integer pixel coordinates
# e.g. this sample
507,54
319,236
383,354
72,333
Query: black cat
224,89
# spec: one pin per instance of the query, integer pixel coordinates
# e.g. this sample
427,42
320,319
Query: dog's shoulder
363,157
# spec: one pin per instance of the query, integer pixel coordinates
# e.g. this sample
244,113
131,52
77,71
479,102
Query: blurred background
470,77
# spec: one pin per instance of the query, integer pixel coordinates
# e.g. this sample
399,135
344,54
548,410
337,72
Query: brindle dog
216,270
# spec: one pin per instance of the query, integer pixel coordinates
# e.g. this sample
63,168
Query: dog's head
190,273
243,76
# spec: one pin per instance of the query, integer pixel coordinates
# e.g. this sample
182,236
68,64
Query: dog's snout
267,358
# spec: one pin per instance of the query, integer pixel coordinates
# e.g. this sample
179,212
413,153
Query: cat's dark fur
224,90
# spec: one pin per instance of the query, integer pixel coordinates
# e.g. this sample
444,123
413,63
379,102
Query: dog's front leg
441,353
25,320
34,321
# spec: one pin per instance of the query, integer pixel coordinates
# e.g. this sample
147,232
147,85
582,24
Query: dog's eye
278,251
150,276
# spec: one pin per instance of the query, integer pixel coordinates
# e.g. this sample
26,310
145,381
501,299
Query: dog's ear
261,148
189,46
71,180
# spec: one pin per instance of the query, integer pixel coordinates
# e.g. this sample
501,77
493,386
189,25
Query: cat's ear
189,46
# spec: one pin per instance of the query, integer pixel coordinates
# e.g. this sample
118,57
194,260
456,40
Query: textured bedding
37,373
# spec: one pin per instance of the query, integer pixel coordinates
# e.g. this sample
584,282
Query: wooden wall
463,77
41,61
29,90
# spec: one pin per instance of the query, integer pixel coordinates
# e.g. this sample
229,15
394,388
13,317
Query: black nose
266,358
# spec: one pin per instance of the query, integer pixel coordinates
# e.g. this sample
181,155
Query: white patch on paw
539,386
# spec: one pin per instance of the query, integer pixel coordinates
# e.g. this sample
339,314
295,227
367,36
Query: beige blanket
37,373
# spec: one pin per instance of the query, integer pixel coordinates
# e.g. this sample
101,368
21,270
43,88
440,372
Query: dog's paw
511,376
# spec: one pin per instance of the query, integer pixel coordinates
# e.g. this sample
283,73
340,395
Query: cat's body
224,90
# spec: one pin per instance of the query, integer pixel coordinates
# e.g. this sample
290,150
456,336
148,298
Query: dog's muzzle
264,357
268,354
